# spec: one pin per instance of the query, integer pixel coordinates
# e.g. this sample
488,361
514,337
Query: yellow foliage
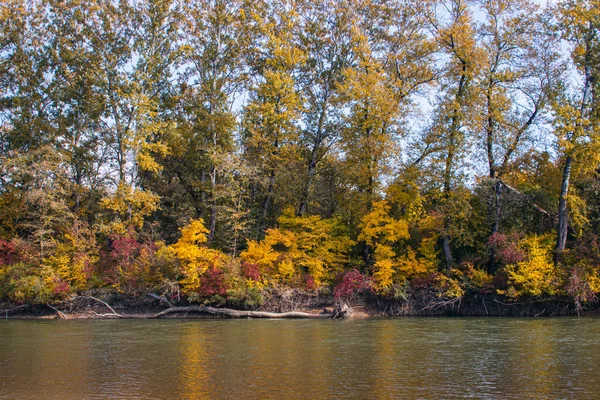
384,268
480,278
594,281
381,231
318,246
413,266
130,206
536,275
69,262
448,287
379,227
261,254
194,256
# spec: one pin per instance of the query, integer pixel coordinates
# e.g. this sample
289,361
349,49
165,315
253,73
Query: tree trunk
497,210
312,168
268,200
563,212
312,165
213,205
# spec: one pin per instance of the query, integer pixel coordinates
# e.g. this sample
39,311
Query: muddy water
294,359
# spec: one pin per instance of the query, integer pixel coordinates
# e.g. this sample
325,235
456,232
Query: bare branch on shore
239,313
59,313
12,309
161,298
113,313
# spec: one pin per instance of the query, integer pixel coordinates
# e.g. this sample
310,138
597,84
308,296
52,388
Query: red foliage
423,283
60,287
251,271
588,248
506,248
124,250
310,282
212,282
10,252
352,283
121,264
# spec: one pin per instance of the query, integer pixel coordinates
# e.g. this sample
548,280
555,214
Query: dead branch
540,313
59,313
434,305
535,206
107,315
238,313
161,298
113,313
12,309
507,304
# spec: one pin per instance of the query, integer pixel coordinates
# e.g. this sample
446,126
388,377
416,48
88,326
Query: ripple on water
372,358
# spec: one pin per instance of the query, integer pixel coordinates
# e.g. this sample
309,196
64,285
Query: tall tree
453,27
578,126
217,39
271,118
514,84
325,38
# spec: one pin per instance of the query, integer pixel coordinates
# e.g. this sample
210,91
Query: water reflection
376,358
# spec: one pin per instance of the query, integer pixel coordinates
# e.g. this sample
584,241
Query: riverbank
298,304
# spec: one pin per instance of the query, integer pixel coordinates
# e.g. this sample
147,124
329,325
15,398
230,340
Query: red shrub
506,248
60,288
10,252
251,271
352,283
212,283
310,282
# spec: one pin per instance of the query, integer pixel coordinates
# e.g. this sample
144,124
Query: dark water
245,359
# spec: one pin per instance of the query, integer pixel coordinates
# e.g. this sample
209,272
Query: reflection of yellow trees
194,356
535,360
386,359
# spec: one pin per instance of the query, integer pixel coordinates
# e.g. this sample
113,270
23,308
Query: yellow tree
301,245
272,115
577,125
453,28
216,38
382,232
517,74
194,256
368,137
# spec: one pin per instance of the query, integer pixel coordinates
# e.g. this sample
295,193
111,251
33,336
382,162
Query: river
374,358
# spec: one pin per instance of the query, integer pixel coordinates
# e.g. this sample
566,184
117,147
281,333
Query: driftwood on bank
112,314
238,313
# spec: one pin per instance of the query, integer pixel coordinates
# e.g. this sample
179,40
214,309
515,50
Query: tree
516,79
577,124
271,117
216,40
325,38
455,35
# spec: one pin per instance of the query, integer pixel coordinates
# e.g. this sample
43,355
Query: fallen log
239,313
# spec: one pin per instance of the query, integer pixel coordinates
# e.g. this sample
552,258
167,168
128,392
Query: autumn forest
212,151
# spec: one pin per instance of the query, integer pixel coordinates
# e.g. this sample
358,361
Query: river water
401,358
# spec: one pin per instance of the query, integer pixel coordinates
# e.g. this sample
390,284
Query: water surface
292,359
